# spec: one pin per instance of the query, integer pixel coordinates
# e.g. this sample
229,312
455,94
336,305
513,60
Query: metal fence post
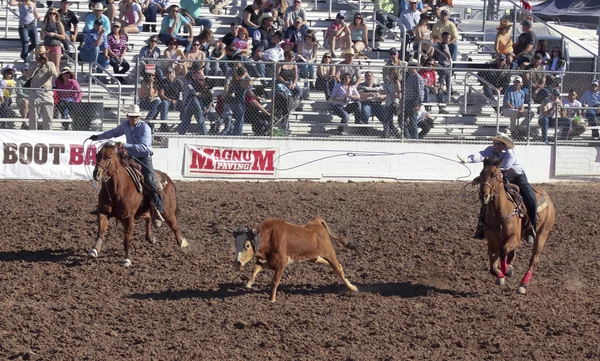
137,80
273,79
402,114
484,18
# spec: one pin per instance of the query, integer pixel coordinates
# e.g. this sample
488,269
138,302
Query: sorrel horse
119,197
503,226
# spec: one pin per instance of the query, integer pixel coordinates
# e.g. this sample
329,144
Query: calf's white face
244,251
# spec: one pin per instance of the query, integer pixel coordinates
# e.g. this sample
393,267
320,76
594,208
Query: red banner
223,162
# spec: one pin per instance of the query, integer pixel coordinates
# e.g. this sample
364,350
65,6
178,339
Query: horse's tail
170,181
343,240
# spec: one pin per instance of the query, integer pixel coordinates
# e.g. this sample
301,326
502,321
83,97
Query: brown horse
119,197
503,224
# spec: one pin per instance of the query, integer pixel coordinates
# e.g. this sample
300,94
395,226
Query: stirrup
479,234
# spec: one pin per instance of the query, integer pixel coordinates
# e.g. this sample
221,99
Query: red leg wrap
526,279
503,266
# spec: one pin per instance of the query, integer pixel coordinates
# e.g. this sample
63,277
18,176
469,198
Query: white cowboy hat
99,6
504,138
263,17
41,50
134,111
413,62
67,70
348,51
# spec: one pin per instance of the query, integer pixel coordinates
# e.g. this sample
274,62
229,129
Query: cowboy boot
479,234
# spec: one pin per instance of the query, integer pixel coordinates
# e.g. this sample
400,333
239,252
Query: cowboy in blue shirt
139,146
512,169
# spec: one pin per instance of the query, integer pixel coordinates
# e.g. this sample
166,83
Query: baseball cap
393,51
537,55
340,16
444,12
595,81
98,22
517,78
526,23
556,92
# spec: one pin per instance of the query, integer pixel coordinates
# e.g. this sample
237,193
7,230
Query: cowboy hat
348,51
504,138
264,17
134,111
413,62
67,70
99,6
41,50
504,24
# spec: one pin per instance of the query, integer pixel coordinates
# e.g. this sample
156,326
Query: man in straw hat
512,170
139,147
347,66
41,97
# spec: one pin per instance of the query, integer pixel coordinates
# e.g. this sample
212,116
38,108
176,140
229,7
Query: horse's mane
124,157
492,161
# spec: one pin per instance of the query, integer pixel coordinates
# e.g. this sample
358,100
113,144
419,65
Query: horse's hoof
248,286
500,281
151,240
126,262
93,253
521,290
184,243
510,271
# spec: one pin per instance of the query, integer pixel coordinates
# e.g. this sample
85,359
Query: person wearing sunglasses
150,52
53,34
171,25
591,98
513,171
359,34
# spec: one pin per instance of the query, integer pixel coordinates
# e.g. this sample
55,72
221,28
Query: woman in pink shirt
117,47
66,81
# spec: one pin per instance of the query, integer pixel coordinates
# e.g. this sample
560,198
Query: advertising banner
226,162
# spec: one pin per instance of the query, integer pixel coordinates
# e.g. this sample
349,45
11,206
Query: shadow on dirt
227,290
42,255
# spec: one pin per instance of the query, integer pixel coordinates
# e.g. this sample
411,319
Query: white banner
205,161
45,155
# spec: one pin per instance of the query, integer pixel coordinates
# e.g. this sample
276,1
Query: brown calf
276,243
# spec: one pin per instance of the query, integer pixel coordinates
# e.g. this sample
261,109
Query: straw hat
348,51
67,70
41,50
134,111
504,24
264,17
504,138
99,6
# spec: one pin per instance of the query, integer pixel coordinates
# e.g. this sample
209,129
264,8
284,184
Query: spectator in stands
149,99
423,36
191,10
110,10
425,122
95,46
149,52
591,98
131,16
347,66
555,68
571,111
7,87
394,64
535,80
542,49
150,8
273,54
446,26
359,34
346,100
279,5
297,32
23,94
372,96
443,56
278,22
171,25
383,8
53,34
414,90
393,95
117,48
206,39
409,18
96,15
551,113
41,98
307,55
404,5
524,48
241,44
261,40
432,90
326,76
232,34
258,115
175,54
70,23
294,12
28,16
251,17
337,35
195,53
499,78
67,81
234,97
504,44
169,91
197,102
287,76
514,103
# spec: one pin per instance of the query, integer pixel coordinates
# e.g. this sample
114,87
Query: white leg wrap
126,262
93,253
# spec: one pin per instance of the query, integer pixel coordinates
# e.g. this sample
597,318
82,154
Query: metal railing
385,29
489,85
91,77
430,43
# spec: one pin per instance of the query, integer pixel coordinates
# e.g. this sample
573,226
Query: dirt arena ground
425,294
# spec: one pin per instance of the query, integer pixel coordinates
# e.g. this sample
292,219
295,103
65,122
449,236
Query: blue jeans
166,105
453,50
344,111
371,108
564,124
148,173
63,106
591,118
306,70
27,33
152,106
90,55
389,129
429,96
192,107
183,41
236,110
205,23
537,98
411,123
150,13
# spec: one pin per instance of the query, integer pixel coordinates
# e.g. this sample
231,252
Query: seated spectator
432,89
345,100
571,111
110,9
287,77
591,98
258,115
294,12
196,53
265,59
261,40
279,5
552,113
444,25
372,96
175,54
241,44
404,5
307,55
326,75
542,49
67,81
191,10
117,48
232,34
409,18
53,35
359,34
555,68
425,122
197,101
91,19
23,93
423,36
170,91
348,66
514,104
498,79
251,15
535,81
149,54
70,23
206,39
524,48
337,36
171,25
297,32
149,98
504,44
278,22
414,90
150,8
130,16
7,87
95,46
